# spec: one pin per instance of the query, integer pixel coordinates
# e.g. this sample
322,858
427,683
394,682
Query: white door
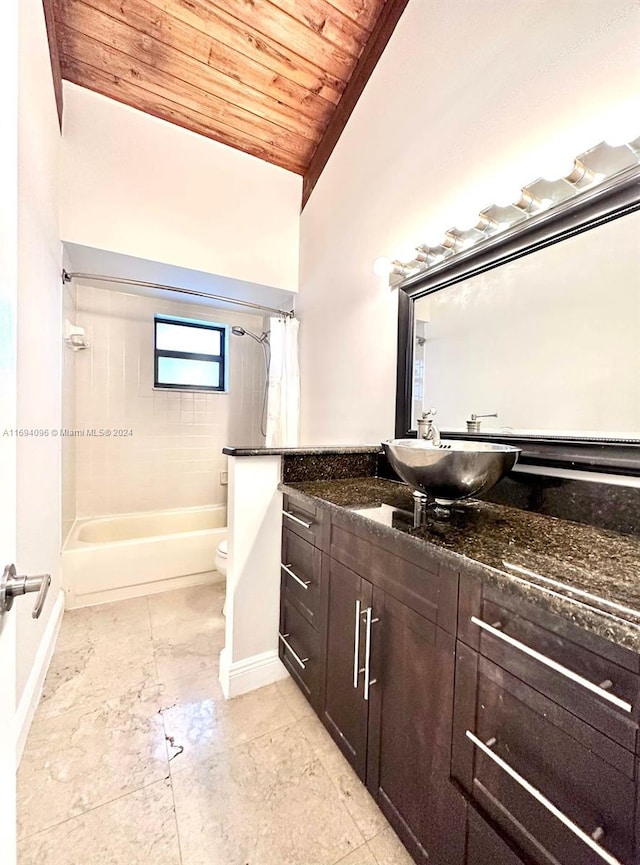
8,297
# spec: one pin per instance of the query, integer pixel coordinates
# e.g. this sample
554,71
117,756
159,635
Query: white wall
137,185
173,458
463,101
39,331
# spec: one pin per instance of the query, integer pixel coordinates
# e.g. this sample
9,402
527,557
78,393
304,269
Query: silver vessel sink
456,470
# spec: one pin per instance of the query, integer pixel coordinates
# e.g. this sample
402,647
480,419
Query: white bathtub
125,556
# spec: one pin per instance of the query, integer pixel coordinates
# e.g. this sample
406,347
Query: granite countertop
587,574
263,451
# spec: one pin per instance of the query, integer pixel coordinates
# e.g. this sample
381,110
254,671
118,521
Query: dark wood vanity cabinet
387,678
490,730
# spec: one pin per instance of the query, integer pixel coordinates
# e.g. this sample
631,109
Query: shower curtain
283,404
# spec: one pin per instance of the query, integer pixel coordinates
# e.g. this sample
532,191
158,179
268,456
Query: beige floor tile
110,622
76,761
268,802
367,816
388,850
177,656
138,829
298,704
361,856
187,610
85,677
201,721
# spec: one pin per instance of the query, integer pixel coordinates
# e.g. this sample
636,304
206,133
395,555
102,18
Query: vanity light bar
588,169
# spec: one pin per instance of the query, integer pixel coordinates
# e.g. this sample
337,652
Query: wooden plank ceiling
263,76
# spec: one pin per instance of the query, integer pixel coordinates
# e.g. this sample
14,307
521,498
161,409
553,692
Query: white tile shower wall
173,457
68,444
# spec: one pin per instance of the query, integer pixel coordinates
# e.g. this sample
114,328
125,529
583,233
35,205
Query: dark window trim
605,203
220,359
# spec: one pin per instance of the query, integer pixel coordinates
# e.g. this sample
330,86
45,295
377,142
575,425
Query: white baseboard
124,593
33,689
249,674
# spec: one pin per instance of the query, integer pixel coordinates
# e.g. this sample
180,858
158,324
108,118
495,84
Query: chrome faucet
473,425
427,429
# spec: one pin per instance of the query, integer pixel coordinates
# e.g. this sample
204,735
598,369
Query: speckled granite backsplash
306,467
597,561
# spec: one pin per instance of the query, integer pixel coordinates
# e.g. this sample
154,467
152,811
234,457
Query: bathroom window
189,354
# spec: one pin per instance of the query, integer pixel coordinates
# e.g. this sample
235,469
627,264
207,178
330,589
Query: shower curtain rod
67,277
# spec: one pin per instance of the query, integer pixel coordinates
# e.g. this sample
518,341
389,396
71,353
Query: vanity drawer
303,518
300,651
589,684
556,789
301,566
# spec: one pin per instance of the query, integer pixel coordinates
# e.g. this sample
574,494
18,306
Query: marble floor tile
353,794
187,610
298,704
137,829
177,656
361,856
85,677
199,719
76,761
268,802
112,622
387,849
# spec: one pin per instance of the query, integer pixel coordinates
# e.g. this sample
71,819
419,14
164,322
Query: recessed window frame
220,359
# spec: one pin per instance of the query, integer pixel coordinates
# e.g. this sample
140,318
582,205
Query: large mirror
542,330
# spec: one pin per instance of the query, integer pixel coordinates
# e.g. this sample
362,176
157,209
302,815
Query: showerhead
236,330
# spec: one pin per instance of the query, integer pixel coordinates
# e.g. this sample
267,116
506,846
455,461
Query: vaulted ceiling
275,78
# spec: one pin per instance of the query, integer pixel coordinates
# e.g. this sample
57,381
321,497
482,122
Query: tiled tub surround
135,757
173,458
600,566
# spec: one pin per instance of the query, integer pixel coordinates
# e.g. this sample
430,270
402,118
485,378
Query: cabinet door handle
297,519
368,681
356,645
301,661
553,665
539,797
304,583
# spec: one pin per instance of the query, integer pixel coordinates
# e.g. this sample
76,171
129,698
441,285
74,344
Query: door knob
12,585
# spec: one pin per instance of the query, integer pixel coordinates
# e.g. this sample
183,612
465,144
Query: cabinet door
485,845
345,710
411,708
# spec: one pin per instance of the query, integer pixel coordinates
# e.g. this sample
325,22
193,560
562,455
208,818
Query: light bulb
382,266
555,166
508,197
467,220
407,252
625,130
434,239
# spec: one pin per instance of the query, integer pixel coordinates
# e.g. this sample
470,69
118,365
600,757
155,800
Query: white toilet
221,565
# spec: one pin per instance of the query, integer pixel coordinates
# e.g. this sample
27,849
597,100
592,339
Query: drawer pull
304,583
356,647
297,520
553,665
368,681
589,840
301,661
